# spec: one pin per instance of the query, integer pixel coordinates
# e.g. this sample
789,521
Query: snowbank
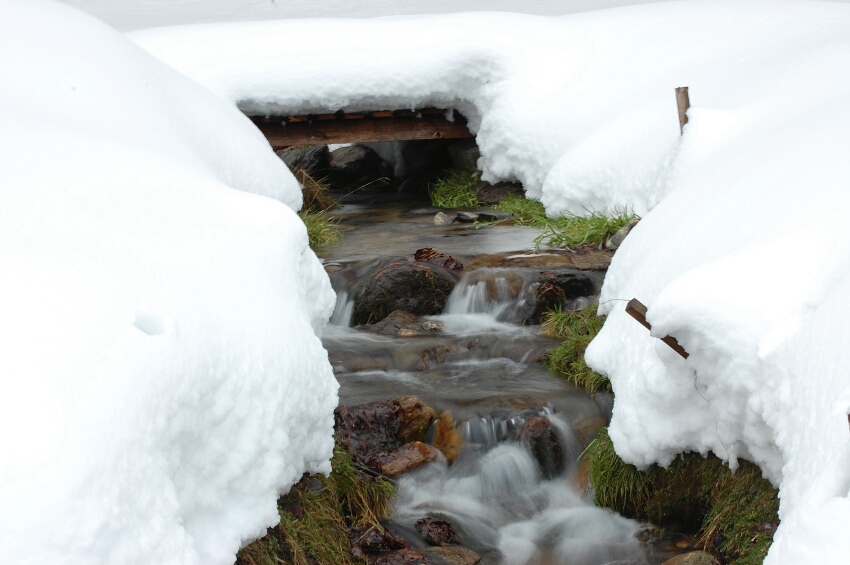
162,378
743,256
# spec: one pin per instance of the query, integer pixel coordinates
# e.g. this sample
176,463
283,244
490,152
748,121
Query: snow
741,254
163,380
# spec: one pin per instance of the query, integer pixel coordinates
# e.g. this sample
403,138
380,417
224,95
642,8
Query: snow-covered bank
162,378
742,254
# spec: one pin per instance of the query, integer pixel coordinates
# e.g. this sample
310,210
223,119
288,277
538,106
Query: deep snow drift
742,254
162,378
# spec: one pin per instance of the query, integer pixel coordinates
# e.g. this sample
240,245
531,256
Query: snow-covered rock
162,377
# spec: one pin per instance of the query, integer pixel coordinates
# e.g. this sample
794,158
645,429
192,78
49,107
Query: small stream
479,364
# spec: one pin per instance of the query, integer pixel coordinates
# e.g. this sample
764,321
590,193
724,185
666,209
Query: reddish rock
414,418
402,460
437,532
446,437
429,255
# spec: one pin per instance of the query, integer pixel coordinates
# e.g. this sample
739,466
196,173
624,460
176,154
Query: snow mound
163,380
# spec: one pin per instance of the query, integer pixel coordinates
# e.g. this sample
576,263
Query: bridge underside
342,127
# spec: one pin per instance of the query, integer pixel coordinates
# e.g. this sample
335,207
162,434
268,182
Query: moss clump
734,514
567,360
321,228
525,211
570,230
316,514
455,191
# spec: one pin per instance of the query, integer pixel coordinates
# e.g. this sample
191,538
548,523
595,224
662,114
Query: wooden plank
638,311
683,102
431,126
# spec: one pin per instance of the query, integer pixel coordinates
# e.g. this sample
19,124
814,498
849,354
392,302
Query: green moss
733,514
314,521
455,191
567,360
524,211
321,228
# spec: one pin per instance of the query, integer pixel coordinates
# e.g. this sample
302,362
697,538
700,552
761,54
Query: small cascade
489,291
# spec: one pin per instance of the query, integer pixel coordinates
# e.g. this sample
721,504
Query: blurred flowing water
485,369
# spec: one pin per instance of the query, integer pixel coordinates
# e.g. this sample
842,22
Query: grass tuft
525,211
321,228
578,329
571,230
314,522
734,514
455,191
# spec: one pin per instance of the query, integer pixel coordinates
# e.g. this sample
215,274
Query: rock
591,260
466,217
447,438
453,555
406,458
542,438
355,165
573,284
414,418
616,240
426,157
428,255
693,558
405,556
464,154
313,159
490,194
442,219
585,430
373,540
581,479
437,532
418,288
493,216
395,321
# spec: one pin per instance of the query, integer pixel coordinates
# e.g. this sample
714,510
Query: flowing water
484,368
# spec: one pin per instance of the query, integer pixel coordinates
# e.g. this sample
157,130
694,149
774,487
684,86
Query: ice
162,377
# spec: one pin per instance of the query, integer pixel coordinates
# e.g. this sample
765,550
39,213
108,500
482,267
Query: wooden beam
638,311
683,102
353,128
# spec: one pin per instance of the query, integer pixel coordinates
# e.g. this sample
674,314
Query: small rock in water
466,217
429,255
616,240
493,216
404,459
373,540
542,438
447,438
405,556
454,555
441,219
437,531
415,417
693,558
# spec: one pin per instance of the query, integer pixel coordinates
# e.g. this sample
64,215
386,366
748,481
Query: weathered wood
400,125
638,311
683,102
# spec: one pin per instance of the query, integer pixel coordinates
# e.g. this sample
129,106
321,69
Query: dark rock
428,255
406,458
466,217
373,540
313,159
493,216
427,157
391,325
418,288
693,558
553,289
573,284
355,165
437,532
405,556
464,154
542,438
494,193
453,555
616,240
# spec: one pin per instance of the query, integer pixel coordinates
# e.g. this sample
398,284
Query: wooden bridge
344,127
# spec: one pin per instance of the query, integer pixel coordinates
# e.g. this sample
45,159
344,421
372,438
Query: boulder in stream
453,555
407,556
402,460
404,324
437,531
447,438
429,255
313,159
542,438
419,288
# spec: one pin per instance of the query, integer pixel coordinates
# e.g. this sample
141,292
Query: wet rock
466,217
585,430
429,255
435,355
494,193
406,458
355,165
373,540
453,555
693,558
447,438
394,323
418,288
553,289
464,154
313,159
494,216
437,531
414,418
441,219
581,478
616,240
427,157
542,438
365,363
591,260
405,556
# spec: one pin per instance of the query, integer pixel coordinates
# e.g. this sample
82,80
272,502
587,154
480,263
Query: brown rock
404,459
453,555
429,255
437,531
414,418
446,437
374,540
592,260
693,558
581,480
406,556
586,429
544,441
